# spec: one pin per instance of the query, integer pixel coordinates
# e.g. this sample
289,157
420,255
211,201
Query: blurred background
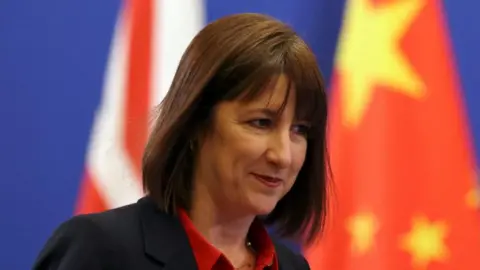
77,79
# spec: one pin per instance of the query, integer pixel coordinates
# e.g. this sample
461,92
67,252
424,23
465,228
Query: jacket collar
164,237
166,241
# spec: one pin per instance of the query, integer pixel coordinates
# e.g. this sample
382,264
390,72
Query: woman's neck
225,229
220,227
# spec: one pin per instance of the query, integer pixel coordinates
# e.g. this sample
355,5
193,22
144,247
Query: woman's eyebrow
270,112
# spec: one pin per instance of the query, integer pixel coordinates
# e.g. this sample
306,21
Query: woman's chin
263,207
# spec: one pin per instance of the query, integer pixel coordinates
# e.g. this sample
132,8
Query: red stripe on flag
137,98
137,93
89,200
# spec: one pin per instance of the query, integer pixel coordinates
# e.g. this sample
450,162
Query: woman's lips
271,182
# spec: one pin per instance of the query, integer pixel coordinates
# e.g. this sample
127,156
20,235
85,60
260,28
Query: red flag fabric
402,161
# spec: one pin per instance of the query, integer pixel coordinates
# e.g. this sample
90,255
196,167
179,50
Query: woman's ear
201,130
198,137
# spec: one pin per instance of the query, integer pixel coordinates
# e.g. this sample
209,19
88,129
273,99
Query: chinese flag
403,167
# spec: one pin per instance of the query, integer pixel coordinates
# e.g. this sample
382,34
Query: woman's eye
261,123
301,129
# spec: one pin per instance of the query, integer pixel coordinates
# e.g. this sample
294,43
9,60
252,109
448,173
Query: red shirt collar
208,257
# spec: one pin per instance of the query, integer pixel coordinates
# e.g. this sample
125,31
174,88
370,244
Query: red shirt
210,258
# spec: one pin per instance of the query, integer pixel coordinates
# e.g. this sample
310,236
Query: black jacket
136,236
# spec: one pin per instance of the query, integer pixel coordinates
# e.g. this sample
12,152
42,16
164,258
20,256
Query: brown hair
236,57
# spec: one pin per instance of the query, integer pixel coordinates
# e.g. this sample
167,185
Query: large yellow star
362,228
369,54
425,242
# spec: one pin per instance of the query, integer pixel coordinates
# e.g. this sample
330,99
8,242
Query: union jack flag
148,42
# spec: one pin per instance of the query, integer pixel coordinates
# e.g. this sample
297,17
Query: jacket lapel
166,242
164,238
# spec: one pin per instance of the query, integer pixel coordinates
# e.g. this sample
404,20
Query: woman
238,144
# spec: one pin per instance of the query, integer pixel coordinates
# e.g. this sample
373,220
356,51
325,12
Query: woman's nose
279,151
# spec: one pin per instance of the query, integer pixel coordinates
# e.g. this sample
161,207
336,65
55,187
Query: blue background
52,62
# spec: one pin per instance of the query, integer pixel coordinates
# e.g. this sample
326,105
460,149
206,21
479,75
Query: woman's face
251,156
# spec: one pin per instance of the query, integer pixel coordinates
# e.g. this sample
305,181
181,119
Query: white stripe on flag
176,23
110,169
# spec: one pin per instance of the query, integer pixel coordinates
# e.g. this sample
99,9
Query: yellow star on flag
369,53
472,198
425,242
362,228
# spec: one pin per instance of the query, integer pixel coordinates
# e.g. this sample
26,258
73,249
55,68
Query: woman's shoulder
91,241
289,259
113,223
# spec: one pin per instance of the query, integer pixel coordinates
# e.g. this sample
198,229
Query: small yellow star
472,198
425,242
369,54
362,228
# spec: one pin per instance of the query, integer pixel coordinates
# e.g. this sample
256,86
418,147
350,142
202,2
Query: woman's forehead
272,97
279,91
275,93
